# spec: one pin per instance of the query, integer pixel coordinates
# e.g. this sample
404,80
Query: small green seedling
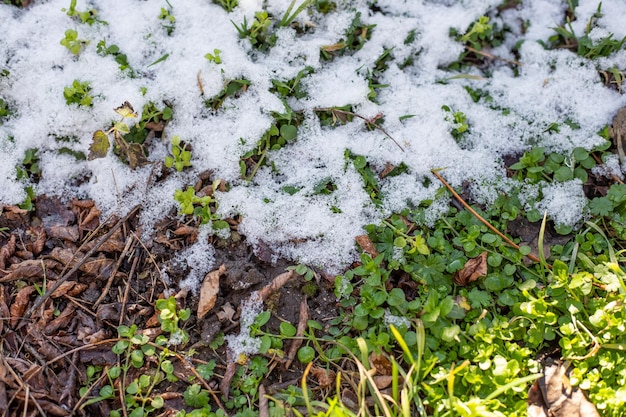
72,43
459,120
78,93
120,58
5,110
257,33
232,88
228,5
214,57
168,19
181,157
203,207
88,16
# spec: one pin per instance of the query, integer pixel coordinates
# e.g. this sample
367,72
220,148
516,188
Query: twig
479,217
491,56
264,407
297,341
369,123
127,289
120,259
69,273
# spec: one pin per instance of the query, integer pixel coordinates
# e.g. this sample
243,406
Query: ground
46,350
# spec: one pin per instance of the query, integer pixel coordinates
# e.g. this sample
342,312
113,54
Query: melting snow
552,86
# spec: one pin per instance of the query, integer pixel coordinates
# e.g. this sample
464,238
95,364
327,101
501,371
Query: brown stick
491,56
479,217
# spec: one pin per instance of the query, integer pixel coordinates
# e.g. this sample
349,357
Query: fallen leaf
381,363
7,251
71,288
18,307
382,381
324,377
210,289
61,321
367,245
231,368
227,312
39,234
553,396
33,268
473,269
275,285
64,233
136,156
99,145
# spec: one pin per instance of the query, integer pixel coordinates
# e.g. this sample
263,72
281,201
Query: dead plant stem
479,217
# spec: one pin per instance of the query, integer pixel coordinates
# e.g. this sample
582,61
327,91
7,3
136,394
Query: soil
108,275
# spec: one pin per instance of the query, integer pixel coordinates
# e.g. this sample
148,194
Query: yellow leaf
126,110
99,145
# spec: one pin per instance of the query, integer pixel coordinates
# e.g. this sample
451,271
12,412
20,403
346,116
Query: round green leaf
287,329
288,132
306,354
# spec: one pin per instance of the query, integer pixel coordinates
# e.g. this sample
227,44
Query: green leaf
99,145
288,132
306,354
287,329
262,318
163,58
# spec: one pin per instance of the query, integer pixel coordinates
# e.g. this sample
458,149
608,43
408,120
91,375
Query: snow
243,344
552,86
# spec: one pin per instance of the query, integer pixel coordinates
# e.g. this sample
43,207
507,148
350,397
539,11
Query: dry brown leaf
227,312
325,377
64,233
382,381
367,245
275,285
209,291
553,396
381,363
71,288
18,307
473,269
31,268
40,239
231,368
61,321
185,230
7,251
98,267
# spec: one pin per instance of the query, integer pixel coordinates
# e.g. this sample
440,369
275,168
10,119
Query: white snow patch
552,86
243,343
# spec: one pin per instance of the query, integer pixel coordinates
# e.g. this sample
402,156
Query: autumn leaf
126,110
136,156
553,395
210,289
99,145
367,245
473,269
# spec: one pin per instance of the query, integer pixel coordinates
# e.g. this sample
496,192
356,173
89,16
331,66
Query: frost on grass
397,321
243,343
518,106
